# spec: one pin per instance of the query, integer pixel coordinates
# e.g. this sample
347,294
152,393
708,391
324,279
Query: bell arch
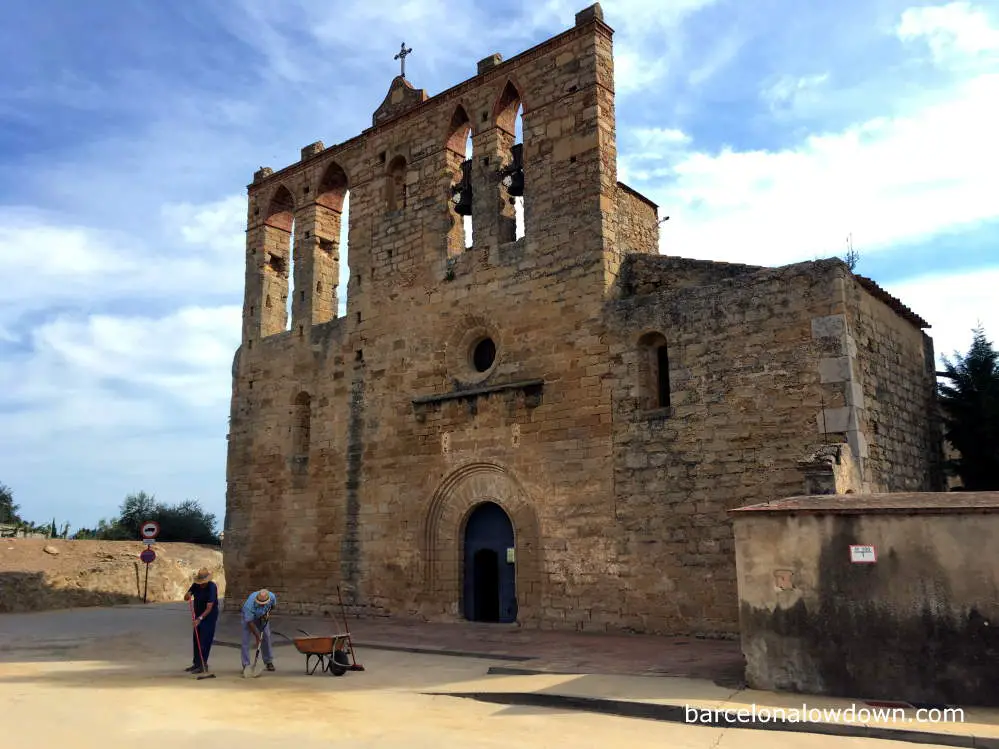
459,160
445,520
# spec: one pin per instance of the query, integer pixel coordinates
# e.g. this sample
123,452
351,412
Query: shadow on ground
30,591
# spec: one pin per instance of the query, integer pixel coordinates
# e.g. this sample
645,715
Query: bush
186,522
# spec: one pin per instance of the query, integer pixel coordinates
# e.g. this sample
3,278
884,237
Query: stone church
542,421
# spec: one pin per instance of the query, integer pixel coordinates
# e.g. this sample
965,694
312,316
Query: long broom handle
197,637
343,612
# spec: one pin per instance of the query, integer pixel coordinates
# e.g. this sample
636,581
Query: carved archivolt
444,529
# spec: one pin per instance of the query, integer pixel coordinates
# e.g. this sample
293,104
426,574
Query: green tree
185,522
8,510
136,510
969,399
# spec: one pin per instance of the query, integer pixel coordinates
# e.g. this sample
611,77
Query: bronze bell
461,193
513,175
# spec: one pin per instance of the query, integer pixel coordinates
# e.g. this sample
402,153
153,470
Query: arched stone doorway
489,579
445,529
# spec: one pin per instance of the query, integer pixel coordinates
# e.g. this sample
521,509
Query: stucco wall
921,624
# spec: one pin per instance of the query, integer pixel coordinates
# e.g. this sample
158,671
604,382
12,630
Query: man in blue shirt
206,615
255,615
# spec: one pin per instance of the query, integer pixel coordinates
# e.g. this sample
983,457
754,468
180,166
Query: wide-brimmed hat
263,596
203,576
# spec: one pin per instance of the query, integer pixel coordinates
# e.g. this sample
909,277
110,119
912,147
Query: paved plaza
113,677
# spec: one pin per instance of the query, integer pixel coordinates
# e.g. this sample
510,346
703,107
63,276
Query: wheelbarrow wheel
339,663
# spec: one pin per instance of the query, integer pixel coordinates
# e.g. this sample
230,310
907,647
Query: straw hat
203,576
263,596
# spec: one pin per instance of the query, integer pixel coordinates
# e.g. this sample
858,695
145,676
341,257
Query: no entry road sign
150,529
147,555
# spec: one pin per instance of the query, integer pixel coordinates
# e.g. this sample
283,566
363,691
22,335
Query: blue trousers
205,635
249,646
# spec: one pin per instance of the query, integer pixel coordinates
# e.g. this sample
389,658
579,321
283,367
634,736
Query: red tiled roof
891,301
902,503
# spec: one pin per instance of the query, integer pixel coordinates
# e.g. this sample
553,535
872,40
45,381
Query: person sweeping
205,596
255,615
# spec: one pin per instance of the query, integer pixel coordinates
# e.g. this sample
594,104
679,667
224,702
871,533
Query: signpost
149,531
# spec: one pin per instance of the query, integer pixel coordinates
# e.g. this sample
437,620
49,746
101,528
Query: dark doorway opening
486,583
489,584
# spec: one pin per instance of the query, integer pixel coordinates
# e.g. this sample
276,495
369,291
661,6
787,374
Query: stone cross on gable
401,57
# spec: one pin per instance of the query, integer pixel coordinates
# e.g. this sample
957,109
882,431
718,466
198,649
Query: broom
197,639
354,666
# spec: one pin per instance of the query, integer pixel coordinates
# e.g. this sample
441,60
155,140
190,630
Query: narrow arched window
653,372
508,114
332,234
395,185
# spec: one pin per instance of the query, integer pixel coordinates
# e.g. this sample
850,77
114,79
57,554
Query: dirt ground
112,677
96,573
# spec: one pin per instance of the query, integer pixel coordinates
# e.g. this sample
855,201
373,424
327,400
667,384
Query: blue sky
768,131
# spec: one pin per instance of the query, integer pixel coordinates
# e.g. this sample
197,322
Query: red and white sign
150,529
861,554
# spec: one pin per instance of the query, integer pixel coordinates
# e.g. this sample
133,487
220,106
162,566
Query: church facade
547,428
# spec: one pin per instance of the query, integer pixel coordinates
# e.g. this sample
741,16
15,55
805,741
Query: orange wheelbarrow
329,651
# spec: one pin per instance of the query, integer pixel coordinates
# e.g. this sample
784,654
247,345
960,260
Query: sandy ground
112,677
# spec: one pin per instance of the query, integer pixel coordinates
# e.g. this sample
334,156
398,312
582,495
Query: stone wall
522,370
355,442
744,377
915,625
637,230
894,381
647,274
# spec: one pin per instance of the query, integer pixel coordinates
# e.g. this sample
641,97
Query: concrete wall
922,624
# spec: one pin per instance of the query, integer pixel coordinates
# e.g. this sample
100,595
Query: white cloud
634,71
788,90
887,180
953,305
104,372
75,264
956,34
220,225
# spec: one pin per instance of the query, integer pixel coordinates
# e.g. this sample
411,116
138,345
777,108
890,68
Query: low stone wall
890,596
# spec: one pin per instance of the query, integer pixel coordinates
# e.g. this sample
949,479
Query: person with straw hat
256,612
205,611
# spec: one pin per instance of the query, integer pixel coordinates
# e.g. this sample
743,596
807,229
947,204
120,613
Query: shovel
258,666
